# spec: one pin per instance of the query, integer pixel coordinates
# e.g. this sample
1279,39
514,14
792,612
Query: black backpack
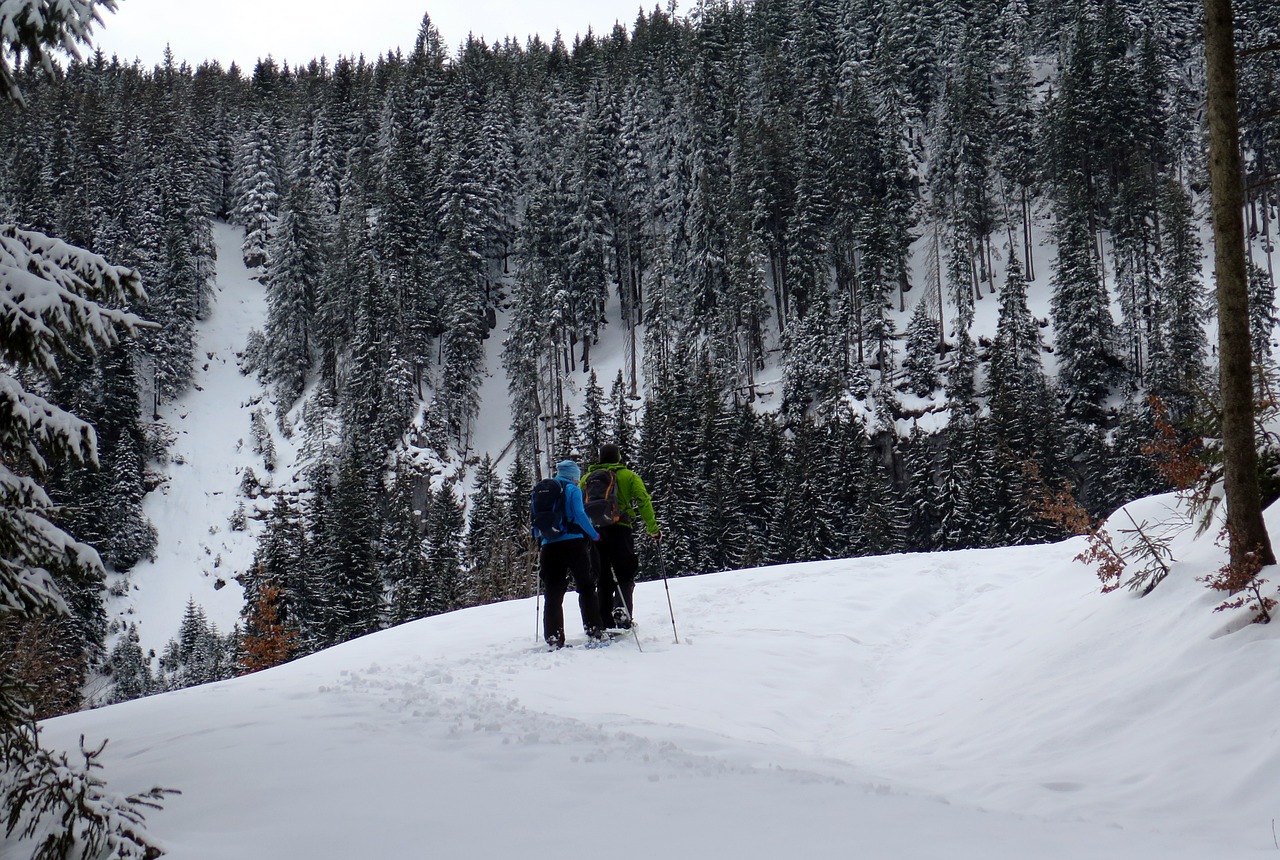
600,498
546,509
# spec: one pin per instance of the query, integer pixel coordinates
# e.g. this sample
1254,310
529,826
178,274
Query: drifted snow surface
981,704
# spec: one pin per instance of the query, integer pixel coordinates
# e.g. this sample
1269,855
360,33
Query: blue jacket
574,515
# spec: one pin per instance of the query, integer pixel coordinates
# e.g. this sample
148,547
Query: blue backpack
546,509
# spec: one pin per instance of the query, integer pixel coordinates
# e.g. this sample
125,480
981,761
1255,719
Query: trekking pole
537,599
622,601
662,569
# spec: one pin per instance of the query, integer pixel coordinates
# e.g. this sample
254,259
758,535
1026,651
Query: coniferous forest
791,214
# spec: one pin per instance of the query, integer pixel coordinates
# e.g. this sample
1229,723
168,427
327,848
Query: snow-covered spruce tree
962,180
1262,315
101,507
593,423
199,654
812,375
1015,151
50,295
35,30
160,217
258,190
881,514
484,538
130,673
621,415
667,439
1181,346
104,506
451,585
405,234
921,361
517,554
920,495
1021,402
458,277
293,272
281,561
401,560
1083,327
346,553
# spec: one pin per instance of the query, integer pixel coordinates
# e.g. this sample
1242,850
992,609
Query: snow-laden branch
50,295
28,421
37,27
49,299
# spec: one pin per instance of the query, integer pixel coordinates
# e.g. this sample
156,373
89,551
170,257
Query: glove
657,536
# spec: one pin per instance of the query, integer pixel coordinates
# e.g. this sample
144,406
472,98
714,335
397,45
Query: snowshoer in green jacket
616,549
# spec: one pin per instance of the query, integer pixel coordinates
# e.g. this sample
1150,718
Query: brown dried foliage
44,655
267,641
1241,581
1176,461
1061,508
1103,554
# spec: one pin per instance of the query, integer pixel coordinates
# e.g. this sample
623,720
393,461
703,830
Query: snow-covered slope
986,704
199,555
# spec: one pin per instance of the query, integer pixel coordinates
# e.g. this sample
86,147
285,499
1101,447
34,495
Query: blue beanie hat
569,470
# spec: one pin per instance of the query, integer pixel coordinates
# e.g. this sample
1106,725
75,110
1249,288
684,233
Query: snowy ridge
986,703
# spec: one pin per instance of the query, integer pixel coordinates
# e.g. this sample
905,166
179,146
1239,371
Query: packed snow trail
982,704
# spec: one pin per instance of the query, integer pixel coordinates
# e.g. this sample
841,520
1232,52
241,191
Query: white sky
301,30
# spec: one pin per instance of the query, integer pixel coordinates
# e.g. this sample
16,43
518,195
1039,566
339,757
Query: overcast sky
301,30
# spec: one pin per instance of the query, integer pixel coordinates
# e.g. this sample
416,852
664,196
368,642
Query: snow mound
986,704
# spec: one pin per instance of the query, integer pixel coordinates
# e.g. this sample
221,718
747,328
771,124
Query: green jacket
632,496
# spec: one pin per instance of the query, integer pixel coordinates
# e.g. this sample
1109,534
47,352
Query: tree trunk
1026,236
1248,533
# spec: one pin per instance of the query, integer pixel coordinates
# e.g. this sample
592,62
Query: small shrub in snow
238,520
158,438
1242,582
68,811
1146,547
250,486
262,443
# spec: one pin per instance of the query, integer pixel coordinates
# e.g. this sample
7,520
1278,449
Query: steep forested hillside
883,276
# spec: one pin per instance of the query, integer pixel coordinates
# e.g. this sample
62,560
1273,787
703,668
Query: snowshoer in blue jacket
570,553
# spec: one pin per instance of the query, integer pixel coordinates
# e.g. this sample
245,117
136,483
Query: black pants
616,554
556,561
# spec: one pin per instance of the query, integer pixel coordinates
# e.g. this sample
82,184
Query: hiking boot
555,640
595,634
621,620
